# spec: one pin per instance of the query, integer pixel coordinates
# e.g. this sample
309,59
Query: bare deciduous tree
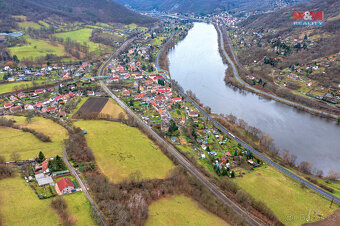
306,166
333,175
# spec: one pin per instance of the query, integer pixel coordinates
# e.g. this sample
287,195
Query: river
197,65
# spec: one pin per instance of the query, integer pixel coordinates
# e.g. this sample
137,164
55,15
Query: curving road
83,187
258,154
238,78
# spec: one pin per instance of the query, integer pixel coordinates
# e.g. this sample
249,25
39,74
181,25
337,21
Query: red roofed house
177,99
21,95
193,114
126,93
51,109
15,109
109,80
39,91
8,105
45,165
65,185
90,93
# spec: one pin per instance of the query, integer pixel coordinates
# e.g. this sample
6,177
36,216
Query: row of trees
267,142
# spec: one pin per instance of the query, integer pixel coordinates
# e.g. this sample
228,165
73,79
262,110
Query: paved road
258,154
238,78
252,220
159,53
83,187
114,55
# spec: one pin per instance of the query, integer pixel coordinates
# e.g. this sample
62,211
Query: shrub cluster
5,170
314,181
77,148
60,206
127,202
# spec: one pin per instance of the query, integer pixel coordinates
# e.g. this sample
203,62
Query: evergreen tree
15,59
41,157
59,163
232,174
6,76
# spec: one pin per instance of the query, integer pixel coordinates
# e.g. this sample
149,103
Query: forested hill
205,6
70,10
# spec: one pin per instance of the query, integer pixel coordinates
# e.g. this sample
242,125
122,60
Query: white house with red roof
64,185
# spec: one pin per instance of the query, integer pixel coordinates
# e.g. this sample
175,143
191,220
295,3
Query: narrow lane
83,187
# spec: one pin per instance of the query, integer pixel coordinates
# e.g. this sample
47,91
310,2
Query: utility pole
330,206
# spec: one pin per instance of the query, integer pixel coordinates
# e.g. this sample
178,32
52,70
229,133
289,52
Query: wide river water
197,65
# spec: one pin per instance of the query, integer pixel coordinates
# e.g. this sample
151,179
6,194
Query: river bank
318,109
197,65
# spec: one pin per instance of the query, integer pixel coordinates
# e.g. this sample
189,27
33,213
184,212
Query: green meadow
180,210
292,203
121,150
37,48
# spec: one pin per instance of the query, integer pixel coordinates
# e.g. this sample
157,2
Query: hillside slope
283,18
204,6
69,10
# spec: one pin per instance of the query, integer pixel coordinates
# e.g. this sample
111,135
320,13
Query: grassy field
81,36
292,203
20,206
10,87
26,144
180,210
121,150
36,48
158,41
112,108
79,208
131,26
27,24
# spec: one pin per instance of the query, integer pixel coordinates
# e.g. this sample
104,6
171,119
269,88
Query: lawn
112,108
158,41
180,210
81,36
79,208
20,206
10,87
121,150
26,144
289,201
37,48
